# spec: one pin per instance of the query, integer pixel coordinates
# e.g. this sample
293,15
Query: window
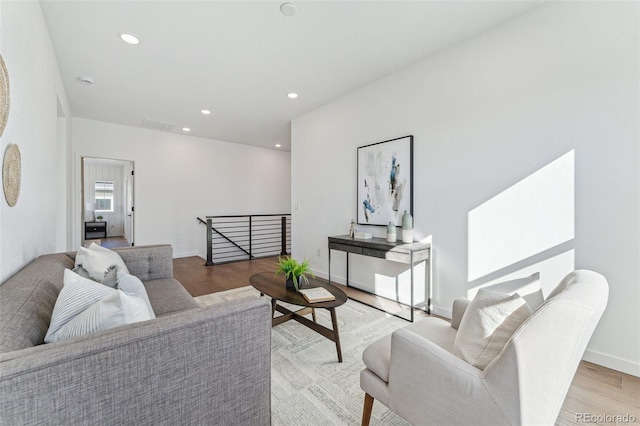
104,196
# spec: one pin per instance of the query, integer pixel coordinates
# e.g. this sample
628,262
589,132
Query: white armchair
413,371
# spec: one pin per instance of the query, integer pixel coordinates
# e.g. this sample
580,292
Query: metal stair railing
241,237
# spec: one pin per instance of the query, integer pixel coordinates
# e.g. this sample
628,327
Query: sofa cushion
84,306
27,302
487,325
168,296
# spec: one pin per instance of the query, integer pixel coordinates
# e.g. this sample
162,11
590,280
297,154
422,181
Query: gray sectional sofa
189,366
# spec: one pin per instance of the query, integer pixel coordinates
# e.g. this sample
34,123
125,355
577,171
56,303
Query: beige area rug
308,384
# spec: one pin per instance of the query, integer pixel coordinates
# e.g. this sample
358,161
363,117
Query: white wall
490,117
179,178
37,224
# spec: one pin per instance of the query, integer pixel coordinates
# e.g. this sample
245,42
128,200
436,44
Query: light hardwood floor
595,393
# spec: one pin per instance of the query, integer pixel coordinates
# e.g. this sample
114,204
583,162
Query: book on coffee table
316,294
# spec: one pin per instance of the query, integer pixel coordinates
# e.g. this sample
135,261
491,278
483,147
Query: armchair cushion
487,325
377,356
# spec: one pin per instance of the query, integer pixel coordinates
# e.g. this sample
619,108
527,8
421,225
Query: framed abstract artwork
385,181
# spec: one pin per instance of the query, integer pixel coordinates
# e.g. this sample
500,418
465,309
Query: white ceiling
239,59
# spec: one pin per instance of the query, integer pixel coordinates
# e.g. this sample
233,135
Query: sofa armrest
428,382
148,262
207,364
459,307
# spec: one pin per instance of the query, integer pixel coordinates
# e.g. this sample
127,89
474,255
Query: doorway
107,200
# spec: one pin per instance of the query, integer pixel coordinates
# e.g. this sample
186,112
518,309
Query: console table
407,253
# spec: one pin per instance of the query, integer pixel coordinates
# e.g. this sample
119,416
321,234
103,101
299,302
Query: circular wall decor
4,95
11,169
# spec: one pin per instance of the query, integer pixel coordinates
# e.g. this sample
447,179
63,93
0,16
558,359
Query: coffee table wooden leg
334,323
273,307
313,314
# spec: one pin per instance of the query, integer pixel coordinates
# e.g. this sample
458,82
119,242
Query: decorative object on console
4,95
352,228
385,181
11,171
391,232
99,218
294,271
407,228
363,235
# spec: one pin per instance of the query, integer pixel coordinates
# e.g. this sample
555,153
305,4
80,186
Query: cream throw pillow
131,285
487,325
85,306
96,260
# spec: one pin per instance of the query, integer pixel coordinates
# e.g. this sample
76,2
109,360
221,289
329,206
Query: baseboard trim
613,362
185,254
441,312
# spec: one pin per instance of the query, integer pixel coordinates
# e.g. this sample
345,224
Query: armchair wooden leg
366,412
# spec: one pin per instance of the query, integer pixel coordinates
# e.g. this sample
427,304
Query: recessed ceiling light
186,129
129,38
288,9
205,111
292,95
278,145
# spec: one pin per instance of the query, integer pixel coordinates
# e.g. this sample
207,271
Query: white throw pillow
487,325
131,285
85,306
96,260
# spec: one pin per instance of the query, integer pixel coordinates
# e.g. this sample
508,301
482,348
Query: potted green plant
99,217
294,271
